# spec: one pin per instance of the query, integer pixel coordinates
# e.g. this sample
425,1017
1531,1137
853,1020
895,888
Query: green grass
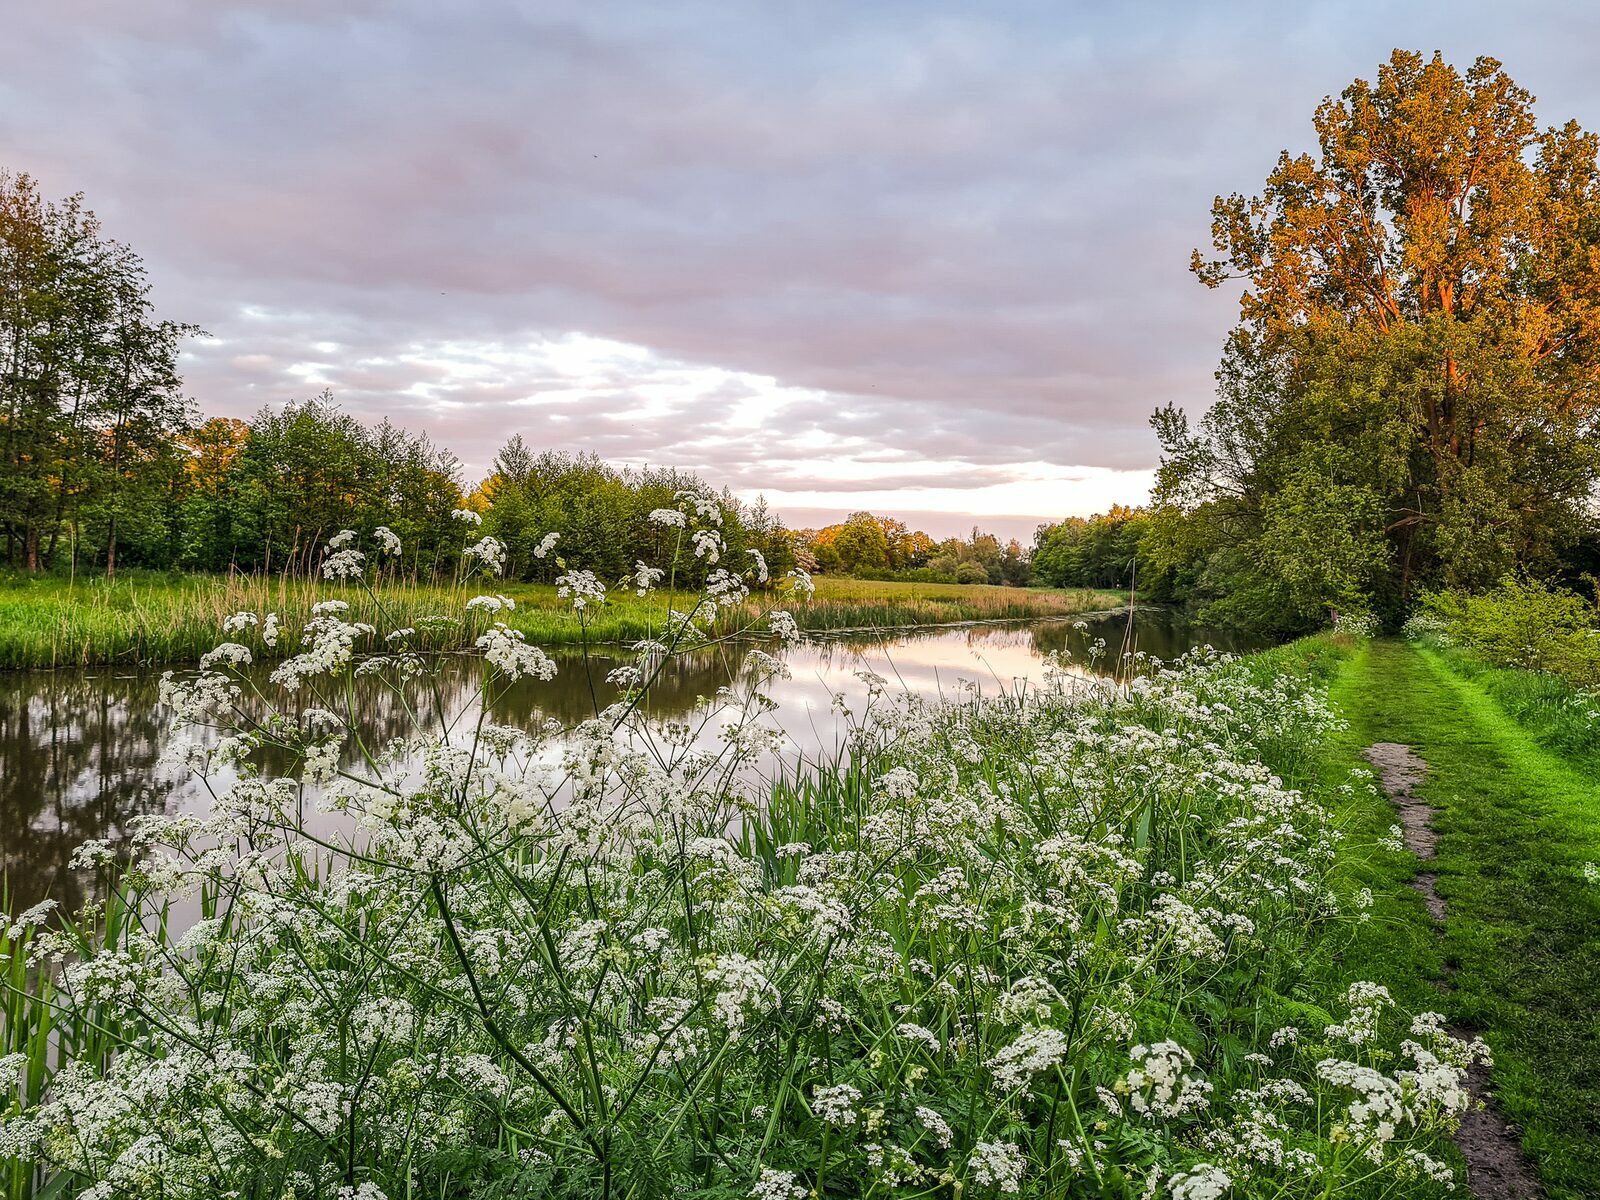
1559,715
143,620
1517,821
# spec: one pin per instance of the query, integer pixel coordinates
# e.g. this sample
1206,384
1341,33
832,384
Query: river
80,750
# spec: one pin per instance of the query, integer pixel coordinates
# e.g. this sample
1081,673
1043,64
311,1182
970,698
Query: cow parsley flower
1203,1182
344,564
1377,1111
1037,1049
705,507
784,626
584,587
707,545
507,651
231,653
670,518
997,1164
467,516
238,621
645,577
837,1104
1163,1069
546,544
490,551
777,1185
943,1135
388,541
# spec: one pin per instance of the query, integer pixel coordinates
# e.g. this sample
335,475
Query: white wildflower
997,1164
1204,1182
775,1185
837,1105
491,552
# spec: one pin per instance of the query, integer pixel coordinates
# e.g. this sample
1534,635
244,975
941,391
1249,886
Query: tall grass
143,620
38,1031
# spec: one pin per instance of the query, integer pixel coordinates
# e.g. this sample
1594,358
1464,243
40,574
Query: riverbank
1513,823
1062,939
154,620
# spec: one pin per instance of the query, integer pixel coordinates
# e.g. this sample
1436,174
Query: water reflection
80,751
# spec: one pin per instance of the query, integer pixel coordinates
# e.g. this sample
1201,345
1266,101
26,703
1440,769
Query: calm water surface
79,750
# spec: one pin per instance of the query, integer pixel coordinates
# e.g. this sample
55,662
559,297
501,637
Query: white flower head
707,545
997,1164
583,587
491,552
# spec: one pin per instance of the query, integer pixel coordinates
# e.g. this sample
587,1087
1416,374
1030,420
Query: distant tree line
873,547
602,514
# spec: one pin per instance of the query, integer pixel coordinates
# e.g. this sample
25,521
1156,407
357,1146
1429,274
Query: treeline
264,496
874,547
602,515
1411,398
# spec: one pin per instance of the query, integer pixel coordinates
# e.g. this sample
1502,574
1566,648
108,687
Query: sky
922,258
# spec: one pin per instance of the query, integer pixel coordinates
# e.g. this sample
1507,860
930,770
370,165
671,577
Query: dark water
80,750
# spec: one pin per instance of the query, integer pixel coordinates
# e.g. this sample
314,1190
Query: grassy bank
1521,942
142,621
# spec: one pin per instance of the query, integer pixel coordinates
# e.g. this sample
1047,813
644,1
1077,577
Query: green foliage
1524,623
89,391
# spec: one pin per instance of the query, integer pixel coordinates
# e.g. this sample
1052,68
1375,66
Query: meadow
149,619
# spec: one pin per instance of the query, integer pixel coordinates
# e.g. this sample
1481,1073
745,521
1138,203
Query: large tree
1411,394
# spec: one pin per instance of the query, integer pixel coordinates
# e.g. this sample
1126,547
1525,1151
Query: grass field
145,620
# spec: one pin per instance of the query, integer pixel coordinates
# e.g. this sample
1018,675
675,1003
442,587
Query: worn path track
1502,826
1496,1168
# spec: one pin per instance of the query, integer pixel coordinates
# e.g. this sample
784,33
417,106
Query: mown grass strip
1516,825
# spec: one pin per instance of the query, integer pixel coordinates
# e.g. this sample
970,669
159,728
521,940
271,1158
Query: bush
1522,623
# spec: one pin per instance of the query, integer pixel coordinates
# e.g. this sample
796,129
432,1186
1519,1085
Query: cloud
757,241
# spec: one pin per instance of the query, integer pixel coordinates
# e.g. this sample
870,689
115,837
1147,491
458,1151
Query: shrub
1523,623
